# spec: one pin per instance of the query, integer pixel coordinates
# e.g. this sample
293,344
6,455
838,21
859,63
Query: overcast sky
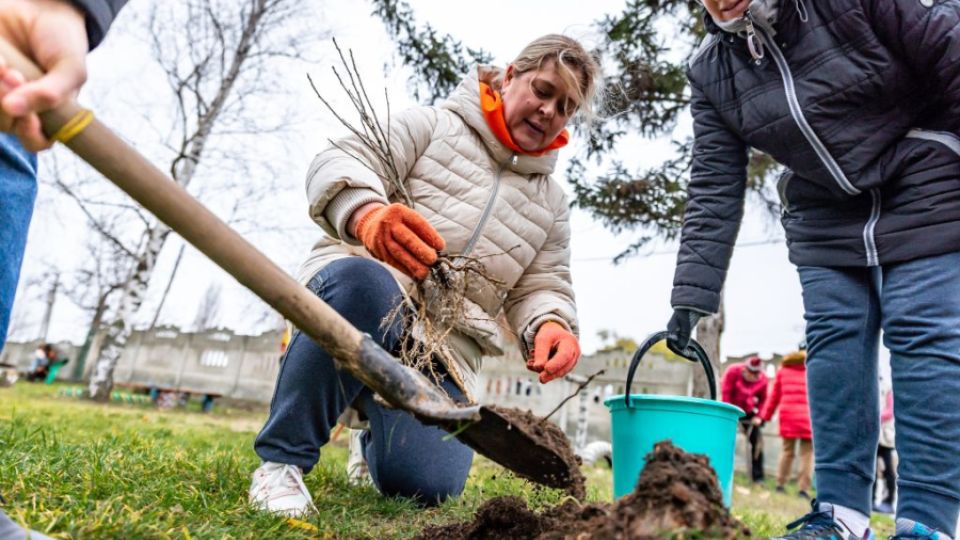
763,304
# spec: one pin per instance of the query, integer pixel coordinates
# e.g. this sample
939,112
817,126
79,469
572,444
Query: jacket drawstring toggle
753,42
802,11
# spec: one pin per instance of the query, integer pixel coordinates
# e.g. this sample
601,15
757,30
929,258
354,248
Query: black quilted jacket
860,100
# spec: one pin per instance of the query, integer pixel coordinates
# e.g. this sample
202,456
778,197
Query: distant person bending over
51,356
478,168
39,362
745,385
789,395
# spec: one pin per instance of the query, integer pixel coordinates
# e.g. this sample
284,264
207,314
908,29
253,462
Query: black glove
680,328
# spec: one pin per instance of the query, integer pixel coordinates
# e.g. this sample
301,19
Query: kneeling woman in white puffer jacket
478,169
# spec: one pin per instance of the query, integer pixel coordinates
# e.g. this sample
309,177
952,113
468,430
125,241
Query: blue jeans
405,457
917,305
18,190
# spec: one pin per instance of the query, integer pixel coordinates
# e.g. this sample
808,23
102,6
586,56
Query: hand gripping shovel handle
357,353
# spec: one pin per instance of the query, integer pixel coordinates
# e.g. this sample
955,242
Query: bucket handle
698,355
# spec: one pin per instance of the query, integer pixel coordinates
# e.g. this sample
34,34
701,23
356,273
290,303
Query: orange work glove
555,352
402,238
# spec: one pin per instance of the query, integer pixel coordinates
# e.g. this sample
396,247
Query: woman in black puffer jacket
860,100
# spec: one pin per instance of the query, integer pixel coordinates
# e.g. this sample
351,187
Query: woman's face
726,10
536,106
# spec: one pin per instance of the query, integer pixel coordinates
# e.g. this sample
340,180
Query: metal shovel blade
512,446
490,433
487,431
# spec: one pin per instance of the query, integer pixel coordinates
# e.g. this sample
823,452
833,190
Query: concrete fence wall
245,367
217,362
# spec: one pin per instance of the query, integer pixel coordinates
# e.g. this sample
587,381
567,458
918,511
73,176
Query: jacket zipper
869,240
485,215
796,111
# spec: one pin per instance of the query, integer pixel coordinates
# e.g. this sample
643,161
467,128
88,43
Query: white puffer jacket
483,199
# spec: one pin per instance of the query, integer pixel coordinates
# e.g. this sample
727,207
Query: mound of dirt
677,496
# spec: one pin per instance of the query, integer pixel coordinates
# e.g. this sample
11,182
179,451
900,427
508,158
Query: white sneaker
357,472
278,488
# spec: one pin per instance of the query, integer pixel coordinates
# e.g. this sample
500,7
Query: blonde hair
578,68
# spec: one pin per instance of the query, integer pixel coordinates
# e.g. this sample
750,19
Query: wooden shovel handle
145,183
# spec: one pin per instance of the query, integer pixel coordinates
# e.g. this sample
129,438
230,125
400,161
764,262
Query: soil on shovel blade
677,496
548,435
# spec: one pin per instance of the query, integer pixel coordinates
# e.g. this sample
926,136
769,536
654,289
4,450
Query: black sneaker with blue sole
819,524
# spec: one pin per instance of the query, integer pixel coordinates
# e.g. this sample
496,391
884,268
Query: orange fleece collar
492,106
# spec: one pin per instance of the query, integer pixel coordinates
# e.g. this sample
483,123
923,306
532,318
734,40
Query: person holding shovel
57,34
860,101
478,170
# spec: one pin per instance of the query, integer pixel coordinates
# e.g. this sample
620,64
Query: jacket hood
465,102
796,358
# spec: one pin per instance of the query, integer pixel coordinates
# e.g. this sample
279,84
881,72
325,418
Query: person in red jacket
745,386
790,395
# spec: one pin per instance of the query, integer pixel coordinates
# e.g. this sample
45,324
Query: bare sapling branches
575,393
439,303
370,131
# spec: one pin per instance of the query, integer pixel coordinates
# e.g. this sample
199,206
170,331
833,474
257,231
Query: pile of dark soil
677,496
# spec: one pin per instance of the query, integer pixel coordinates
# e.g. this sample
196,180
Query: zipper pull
802,11
754,43
514,159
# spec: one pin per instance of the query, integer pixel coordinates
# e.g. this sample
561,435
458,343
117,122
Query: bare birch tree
219,58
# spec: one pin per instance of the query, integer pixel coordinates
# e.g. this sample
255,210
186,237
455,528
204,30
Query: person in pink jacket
745,386
789,394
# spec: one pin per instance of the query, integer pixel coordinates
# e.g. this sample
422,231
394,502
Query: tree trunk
101,380
709,330
91,335
183,169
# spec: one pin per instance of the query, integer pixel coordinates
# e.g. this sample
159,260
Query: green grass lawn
75,469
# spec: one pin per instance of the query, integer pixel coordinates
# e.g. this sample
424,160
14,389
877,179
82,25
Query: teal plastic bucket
699,426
